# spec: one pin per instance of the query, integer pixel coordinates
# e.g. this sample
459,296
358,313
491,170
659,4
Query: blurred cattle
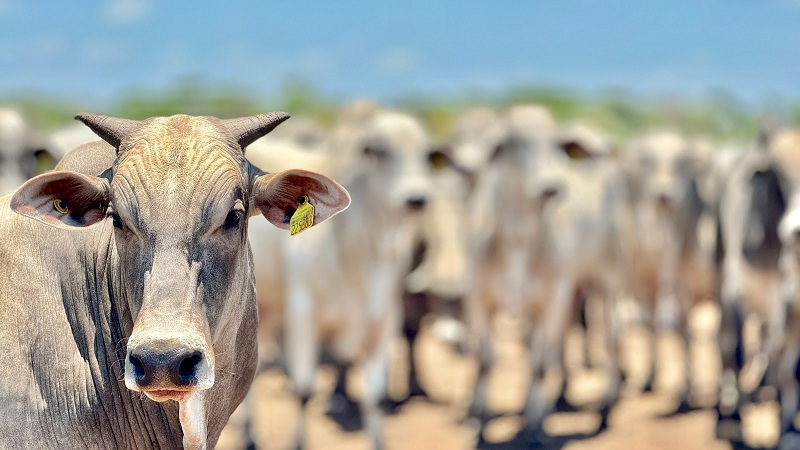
342,283
442,264
547,216
673,267
751,208
20,157
65,139
785,152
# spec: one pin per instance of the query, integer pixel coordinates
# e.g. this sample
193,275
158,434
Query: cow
547,208
759,275
784,332
578,256
672,271
343,281
502,224
20,156
128,301
67,138
748,257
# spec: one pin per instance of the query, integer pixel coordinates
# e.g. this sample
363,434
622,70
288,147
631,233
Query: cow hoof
563,405
345,412
604,412
389,406
684,407
415,390
535,437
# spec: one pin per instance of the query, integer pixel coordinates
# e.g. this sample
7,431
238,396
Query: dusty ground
639,421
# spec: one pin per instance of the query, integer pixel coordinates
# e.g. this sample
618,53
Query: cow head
396,156
666,170
178,198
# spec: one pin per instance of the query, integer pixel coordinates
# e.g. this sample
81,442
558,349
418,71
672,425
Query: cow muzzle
168,369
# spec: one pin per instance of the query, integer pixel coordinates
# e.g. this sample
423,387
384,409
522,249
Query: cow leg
384,316
788,372
415,308
479,315
546,357
376,377
302,347
688,381
342,408
613,372
582,305
477,407
731,344
247,427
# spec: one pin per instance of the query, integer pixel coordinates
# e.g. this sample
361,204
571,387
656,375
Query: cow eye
377,152
115,219
233,220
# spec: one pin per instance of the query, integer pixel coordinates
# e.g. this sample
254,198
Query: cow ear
63,199
276,195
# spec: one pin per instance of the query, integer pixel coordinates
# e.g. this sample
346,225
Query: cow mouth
160,395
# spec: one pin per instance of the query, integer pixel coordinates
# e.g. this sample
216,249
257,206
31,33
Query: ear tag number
303,216
61,206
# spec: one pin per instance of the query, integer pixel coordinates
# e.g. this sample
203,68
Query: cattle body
673,268
343,281
128,302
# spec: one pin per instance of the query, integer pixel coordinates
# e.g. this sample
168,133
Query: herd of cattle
514,214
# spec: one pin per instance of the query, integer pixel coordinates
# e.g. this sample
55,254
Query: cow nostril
138,368
664,199
549,192
187,369
416,203
160,365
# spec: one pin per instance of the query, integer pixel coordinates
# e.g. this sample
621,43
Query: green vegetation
717,114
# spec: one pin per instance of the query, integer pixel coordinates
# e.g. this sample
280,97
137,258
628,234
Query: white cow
18,153
342,283
548,211
674,268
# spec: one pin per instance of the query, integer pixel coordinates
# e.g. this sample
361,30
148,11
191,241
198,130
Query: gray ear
111,129
247,129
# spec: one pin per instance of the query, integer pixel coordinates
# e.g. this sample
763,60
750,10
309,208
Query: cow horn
111,129
247,129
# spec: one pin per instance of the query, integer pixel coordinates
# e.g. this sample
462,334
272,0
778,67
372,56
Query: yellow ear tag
61,206
303,216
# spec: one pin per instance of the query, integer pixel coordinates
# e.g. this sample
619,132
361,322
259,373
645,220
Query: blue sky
381,49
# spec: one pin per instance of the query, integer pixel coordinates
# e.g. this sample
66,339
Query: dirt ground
639,421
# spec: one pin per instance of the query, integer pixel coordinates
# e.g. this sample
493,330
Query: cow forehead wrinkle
184,189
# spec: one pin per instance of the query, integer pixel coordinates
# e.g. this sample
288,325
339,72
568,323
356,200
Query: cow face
178,203
396,153
667,169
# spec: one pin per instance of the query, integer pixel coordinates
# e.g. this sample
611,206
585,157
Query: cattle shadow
542,441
